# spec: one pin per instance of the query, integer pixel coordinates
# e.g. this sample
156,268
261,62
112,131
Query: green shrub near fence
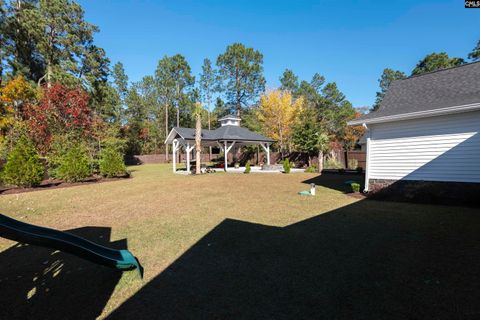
355,187
23,167
247,167
111,163
286,166
74,165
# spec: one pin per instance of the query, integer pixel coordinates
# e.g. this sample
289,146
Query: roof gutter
415,115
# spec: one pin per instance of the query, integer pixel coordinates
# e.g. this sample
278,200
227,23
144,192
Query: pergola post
174,151
225,155
268,153
225,149
188,157
188,149
266,148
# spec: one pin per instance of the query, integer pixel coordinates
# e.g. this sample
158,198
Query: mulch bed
56,184
357,195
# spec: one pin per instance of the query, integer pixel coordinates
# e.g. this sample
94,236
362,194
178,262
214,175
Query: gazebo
229,134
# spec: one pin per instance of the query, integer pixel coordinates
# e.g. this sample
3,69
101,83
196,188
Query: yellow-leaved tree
277,113
13,96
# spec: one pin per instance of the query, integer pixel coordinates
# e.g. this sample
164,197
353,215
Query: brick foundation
435,192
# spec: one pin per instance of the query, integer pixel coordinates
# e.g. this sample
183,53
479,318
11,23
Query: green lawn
242,246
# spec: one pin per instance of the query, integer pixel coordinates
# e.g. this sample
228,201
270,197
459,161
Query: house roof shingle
457,86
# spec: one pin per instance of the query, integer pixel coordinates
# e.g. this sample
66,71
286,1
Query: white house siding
443,148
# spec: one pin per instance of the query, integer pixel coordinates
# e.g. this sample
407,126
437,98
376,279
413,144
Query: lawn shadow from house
366,260
336,181
41,283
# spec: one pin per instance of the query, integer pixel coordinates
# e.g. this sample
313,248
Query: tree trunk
309,160
209,128
320,162
198,144
238,97
178,116
49,75
178,105
166,132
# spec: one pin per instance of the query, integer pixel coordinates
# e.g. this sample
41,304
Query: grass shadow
41,283
336,181
367,260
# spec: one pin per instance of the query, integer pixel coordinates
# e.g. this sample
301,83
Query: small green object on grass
305,193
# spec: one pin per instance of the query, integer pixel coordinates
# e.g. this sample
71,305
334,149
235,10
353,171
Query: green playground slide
26,233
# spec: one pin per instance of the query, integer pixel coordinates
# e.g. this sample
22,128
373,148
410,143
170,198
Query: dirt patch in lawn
57,184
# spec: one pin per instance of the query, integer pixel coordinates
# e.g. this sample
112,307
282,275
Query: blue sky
349,42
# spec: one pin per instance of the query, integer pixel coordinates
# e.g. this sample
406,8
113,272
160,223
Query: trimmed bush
111,163
286,166
355,187
75,165
332,164
247,167
23,167
352,164
311,169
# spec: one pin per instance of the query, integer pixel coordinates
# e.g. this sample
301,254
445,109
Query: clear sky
349,42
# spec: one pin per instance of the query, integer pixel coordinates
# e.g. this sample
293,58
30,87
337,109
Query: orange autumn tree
353,134
13,97
277,113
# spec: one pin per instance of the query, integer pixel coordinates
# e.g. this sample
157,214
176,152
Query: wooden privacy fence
360,156
300,159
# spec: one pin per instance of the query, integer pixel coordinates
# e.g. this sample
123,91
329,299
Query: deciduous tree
277,113
61,110
13,96
353,134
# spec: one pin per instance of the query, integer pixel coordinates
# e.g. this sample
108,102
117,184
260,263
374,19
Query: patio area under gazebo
230,135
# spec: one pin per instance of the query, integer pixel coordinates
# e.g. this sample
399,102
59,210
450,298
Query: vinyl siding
445,148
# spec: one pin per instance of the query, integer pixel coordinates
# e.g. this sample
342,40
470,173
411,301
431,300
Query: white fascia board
170,139
419,114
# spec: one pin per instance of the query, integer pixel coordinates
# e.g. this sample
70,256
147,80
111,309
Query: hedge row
24,167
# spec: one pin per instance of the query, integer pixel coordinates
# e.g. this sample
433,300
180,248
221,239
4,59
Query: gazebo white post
174,158
188,156
268,153
189,149
225,154
266,148
225,151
